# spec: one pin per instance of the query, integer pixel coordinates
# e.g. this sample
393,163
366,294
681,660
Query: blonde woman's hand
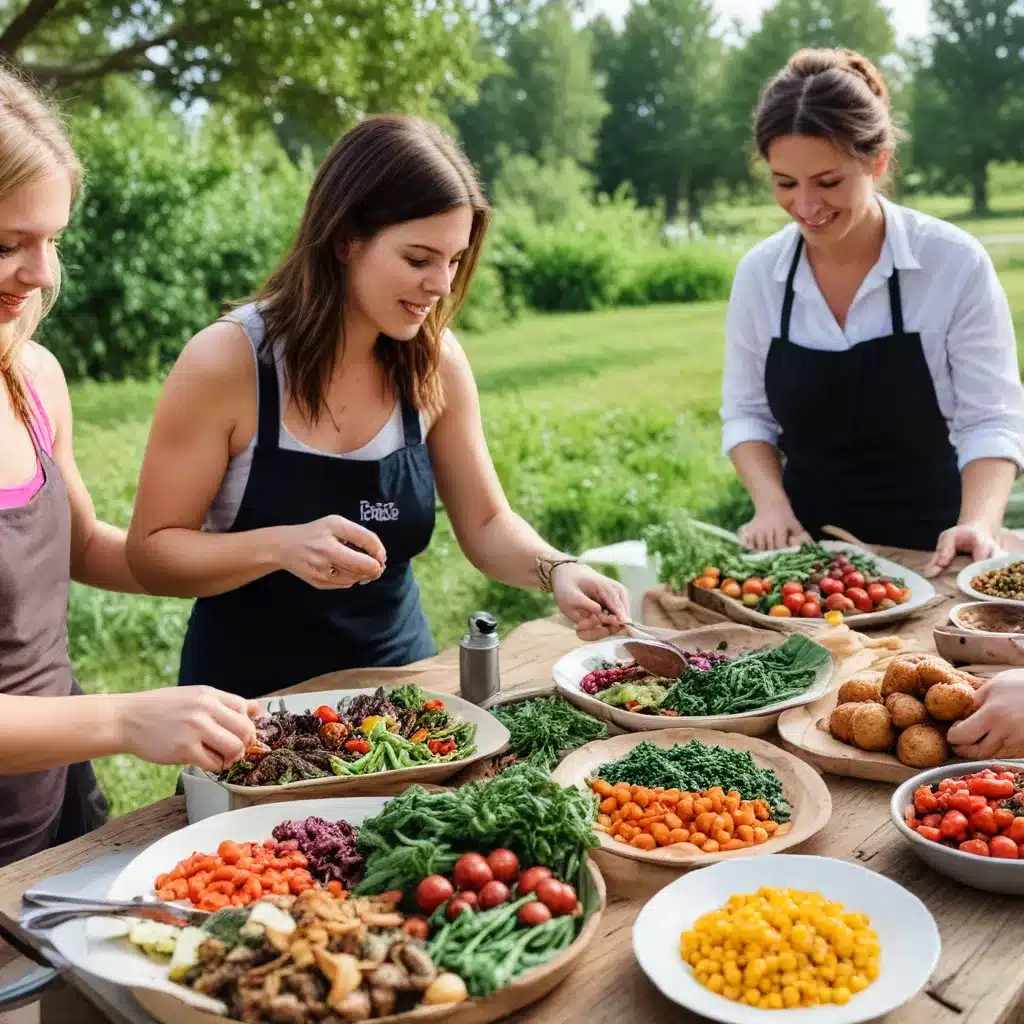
597,605
323,553
195,725
996,728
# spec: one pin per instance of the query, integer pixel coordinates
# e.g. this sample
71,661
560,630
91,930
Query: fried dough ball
933,671
922,746
905,710
972,681
949,702
865,687
901,675
840,722
871,728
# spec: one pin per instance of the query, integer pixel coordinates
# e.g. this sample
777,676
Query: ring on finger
332,571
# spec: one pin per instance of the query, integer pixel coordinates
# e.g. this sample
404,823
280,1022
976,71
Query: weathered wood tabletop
979,979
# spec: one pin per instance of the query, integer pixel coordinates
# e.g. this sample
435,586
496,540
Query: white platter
907,932
491,738
964,577
572,667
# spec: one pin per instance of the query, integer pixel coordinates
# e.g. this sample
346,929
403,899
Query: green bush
677,273
171,223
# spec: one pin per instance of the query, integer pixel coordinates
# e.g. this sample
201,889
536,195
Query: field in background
597,423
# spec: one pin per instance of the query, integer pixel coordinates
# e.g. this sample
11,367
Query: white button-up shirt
951,296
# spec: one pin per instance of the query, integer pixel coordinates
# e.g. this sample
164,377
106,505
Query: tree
323,62
861,25
544,100
968,105
664,131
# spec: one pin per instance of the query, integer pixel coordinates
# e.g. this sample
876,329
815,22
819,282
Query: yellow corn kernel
790,996
716,983
841,996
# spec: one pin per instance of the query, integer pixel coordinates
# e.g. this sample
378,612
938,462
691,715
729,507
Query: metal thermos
478,659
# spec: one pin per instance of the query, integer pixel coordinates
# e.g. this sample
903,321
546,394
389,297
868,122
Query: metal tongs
56,908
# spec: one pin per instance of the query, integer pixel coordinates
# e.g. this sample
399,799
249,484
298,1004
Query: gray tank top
228,499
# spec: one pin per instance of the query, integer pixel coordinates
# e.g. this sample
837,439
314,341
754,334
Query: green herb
696,766
226,924
751,681
684,550
488,948
408,696
522,809
646,694
545,729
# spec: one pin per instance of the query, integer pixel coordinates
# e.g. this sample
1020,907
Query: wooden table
979,979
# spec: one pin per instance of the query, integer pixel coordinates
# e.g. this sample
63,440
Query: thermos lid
483,632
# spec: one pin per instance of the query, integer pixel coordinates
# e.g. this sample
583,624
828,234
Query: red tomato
847,605
860,598
432,892
753,586
417,927
831,586
979,847
932,820
984,821
926,832
457,907
904,595
549,892
504,865
493,894
837,574
533,913
794,601
1004,847
924,800
893,592
853,579
811,610
1016,830
792,587
836,602
530,877
467,896
953,824
876,591
472,872
1004,818
326,714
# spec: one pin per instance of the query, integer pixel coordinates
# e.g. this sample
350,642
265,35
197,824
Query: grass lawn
598,423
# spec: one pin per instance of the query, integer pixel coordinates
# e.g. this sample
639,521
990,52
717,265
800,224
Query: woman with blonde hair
299,442
867,343
49,534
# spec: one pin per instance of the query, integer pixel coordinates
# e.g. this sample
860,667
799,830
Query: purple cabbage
329,846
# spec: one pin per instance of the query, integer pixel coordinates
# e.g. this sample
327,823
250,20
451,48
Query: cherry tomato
417,927
751,600
326,714
836,602
1016,830
831,586
953,824
711,571
904,595
779,611
924,800
753,586
1004,847
457,907
706,582
853,579
794,601
467,896
472,872
493,894
432,892
877,593
533,913
1004,818
530,877
860,598
792,587
927,832
731,589
932,820
504,865
984,821
893,592
979,847
811,610
549,892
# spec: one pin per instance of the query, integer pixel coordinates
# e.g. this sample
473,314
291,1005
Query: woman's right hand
319,553
194,725
776,527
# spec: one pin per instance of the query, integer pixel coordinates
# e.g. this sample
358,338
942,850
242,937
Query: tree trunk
694,204
979,189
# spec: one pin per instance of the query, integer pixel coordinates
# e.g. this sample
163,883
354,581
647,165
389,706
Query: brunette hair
33,141
385,171
832,94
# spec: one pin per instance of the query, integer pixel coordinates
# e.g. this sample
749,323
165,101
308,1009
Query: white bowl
907,932
964,577
989,874
956,610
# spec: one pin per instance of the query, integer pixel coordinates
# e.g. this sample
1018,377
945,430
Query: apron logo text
377,512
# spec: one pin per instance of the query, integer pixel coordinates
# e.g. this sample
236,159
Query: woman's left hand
974,539
583,595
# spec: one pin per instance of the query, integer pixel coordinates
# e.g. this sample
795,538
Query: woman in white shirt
870,344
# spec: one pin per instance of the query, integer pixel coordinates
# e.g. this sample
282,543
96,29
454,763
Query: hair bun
805,63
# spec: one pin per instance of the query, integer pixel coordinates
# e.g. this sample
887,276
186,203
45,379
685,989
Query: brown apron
40,809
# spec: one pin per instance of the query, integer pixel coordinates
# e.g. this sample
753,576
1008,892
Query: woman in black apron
49,535
293,460
869,344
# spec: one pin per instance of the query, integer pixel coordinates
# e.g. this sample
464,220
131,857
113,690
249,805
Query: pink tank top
42,435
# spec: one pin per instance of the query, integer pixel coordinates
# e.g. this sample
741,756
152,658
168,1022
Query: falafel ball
901,675
949,702
871,728
933,671
839,723
905,710
860,688
922,746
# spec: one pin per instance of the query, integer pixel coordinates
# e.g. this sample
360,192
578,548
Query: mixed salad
383,731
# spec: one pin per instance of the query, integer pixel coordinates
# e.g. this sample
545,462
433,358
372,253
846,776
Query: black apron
866,446
279,630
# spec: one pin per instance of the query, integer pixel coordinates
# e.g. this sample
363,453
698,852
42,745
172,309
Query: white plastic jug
637,571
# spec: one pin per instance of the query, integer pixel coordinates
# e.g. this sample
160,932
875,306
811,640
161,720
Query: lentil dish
1007,582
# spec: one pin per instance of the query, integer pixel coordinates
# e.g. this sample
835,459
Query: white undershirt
951,296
